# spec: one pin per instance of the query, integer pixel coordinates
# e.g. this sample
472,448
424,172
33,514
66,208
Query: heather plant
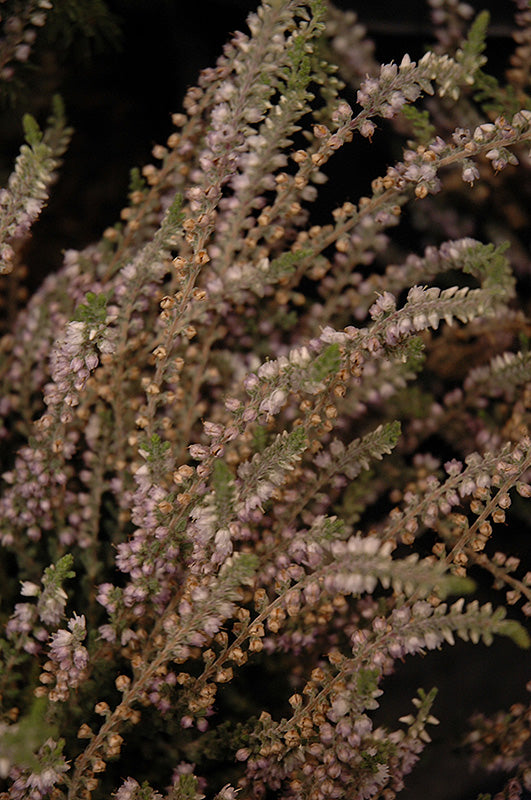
255,452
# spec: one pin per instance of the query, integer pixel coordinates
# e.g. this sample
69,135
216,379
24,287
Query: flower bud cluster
20,31
68,660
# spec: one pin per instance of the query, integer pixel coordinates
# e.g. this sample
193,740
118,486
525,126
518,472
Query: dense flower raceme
224,425
27,192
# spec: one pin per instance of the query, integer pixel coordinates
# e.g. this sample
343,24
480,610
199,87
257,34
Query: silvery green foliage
230,439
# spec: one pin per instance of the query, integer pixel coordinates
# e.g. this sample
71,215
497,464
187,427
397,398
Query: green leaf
488,263
21,741
476,40
61,571
32,132
328,529
58,109
373,446
423,130
454,585
515,631
222,477
224,491
284,265
137,182
94,311
186,788
260,438
327,363
175,214
238,570
154,449
502,100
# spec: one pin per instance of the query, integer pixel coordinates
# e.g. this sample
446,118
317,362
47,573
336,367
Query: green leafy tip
137,182
515,631
175,214
327,363
476,40
154,449
423,130
32,132
58,108
94,311
284,265
61,571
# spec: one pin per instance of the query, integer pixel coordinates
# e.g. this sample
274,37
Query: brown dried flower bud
122,683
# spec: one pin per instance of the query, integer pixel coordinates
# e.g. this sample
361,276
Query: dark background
119,102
